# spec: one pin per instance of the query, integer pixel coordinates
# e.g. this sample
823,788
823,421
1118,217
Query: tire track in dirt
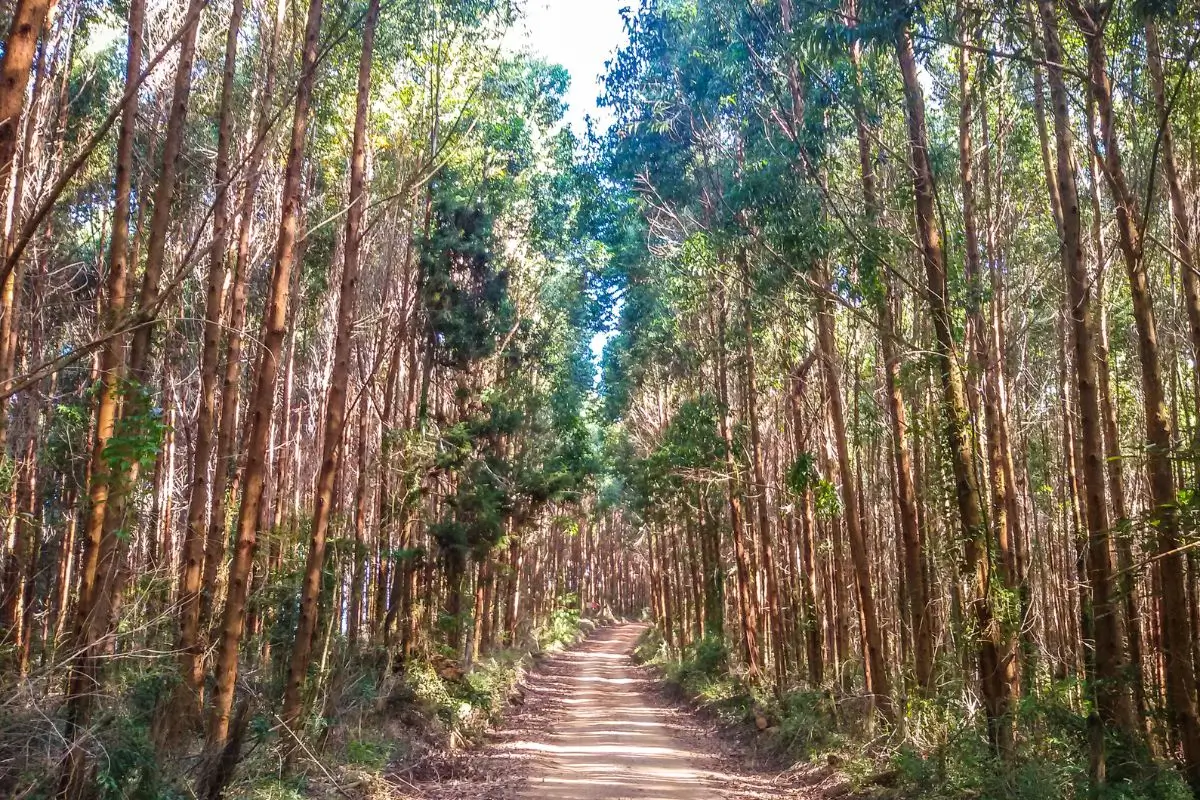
592,727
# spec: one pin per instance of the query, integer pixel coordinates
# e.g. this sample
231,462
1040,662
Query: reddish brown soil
593,727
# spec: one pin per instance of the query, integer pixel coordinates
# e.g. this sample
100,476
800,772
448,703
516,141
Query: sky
581,35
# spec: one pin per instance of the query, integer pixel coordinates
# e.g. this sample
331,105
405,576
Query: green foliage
563,626
803,476
293,787
464,292
948,756
650,647
704,660
464,702
370,753
805,728
8,473
130,770
138,434
702,673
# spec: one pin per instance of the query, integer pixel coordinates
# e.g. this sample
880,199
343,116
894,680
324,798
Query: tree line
906,347
296,316
896,412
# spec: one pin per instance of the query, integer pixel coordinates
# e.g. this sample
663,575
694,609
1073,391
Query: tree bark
20,47
1164,517
190,643
335,409
954,407
878,683
747,593
224,458
1007,678
766,547
1108,656
262,402
84,667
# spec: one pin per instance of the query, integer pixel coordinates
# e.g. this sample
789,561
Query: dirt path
593,728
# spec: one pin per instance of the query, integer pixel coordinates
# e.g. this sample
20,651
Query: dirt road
608,739
595,729
593,726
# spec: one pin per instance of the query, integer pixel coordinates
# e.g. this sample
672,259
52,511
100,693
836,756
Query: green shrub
563,626
1050,760
650,647
127,768
806,725
707,658
431,693
702,673
368,753
489,684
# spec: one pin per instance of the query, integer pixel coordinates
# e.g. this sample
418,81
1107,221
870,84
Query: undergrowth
939,749
372,725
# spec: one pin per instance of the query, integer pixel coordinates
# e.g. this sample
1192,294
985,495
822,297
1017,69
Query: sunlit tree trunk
20,48
747,593
262,402
954,407
84,666
190,646
1007,678
1109,658
1176,628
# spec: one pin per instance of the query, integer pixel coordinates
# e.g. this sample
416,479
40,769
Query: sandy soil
594,727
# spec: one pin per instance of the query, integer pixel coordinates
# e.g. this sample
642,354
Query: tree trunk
358,568
335,410
766,547
1108,656
916,591
984,360
84,666
1164,517
874,661
262,403
136,405
190,645
747,593
19,50
954,407
224,458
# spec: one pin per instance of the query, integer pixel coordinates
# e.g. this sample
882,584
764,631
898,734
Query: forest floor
593,725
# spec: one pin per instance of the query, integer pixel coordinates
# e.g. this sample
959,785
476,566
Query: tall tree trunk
810,580
1108,657
766,546
957,424
878,683
262,403
136,404
20,47
190,645
335,410
1164,517
1112,443
84,666
747,593
358,567
224,459
916,590
1006,679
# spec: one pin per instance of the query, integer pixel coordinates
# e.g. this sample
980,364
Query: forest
855,358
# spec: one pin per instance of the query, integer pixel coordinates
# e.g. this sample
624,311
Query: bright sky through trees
581,35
